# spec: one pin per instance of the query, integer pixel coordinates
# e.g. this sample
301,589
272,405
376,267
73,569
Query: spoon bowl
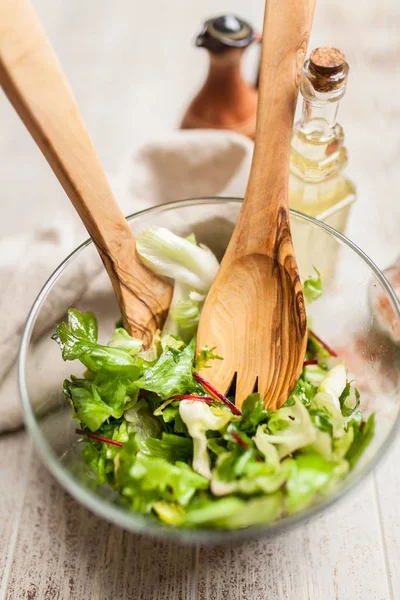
257,360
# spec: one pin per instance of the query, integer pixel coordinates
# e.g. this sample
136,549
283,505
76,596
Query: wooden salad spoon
35,84
254,313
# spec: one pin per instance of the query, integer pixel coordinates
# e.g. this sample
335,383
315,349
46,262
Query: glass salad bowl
342,317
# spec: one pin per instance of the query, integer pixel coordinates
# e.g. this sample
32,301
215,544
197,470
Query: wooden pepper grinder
226,100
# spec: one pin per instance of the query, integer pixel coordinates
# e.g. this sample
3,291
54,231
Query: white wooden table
50,547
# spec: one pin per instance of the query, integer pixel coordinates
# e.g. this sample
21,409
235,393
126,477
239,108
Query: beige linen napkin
182,165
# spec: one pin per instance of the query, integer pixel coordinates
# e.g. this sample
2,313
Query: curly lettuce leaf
143,474
204,356
88,406
172,373
289,428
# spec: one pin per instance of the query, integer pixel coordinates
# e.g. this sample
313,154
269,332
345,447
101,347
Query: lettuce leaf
174,483
289,428
173,256
253,477
77,340
171,447
192,266
363,434
204,356
101,457
122,340
233,512
200,418
172,373
304,391
186,315
349,400
254,413
88,405
309,474
169,512
312,287
142,422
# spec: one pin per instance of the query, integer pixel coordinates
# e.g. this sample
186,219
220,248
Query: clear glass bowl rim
137,523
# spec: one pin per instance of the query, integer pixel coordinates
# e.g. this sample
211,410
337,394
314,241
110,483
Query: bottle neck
225,67
226,86
319,117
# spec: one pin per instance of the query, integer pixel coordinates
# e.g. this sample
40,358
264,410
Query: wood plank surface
15,453
64,552
387,485
333,557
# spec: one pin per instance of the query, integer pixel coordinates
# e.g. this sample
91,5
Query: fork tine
245,386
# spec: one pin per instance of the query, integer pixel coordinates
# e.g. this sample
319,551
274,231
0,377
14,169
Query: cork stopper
328,68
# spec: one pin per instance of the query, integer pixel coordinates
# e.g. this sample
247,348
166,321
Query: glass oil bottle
317,183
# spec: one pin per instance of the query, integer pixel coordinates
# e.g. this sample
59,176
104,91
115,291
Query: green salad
177,449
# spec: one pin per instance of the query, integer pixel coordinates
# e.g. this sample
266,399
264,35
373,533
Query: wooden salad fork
254,313
35,84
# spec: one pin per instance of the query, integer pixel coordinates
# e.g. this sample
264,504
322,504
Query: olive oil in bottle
317,183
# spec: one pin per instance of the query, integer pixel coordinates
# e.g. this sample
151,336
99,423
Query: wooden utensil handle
279,78
33,81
